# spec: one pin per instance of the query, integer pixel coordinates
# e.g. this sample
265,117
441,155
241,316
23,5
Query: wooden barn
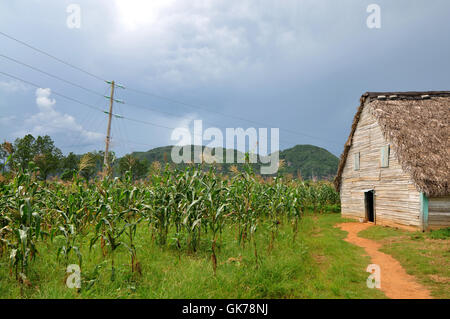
394,169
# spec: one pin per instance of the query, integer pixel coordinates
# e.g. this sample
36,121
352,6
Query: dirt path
395,282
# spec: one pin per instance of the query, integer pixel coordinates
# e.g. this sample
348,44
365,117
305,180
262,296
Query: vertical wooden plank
384,156
424,211
356,161
438,212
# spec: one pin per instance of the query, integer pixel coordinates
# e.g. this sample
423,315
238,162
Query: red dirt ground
395,282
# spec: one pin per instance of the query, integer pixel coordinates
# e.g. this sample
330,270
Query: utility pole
110,115
108,132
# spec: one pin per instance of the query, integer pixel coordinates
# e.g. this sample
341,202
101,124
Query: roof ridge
407,94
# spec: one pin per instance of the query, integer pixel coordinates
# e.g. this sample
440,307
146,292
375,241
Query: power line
224,114
68,64
53,92
51,75
90,118
52,56
91,91
153,109
147,122
94,107
84,88
88,105
133,142
163,97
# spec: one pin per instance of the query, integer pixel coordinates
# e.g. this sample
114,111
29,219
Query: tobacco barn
394,169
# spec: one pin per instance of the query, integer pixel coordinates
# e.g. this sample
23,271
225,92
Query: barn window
384,156
356,162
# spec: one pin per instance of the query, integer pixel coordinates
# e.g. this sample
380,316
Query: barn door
369,203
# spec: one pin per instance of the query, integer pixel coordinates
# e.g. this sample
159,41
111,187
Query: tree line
14,157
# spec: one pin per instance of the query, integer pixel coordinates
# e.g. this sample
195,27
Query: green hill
308,160
159,154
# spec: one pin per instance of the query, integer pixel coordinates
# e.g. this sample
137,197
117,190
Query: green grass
380,233
440,233
424,255
317,265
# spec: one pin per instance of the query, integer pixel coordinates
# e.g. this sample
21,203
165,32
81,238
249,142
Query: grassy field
424,255
193,234
317,265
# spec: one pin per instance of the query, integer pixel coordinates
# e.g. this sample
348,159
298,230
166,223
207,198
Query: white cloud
51,122
12,86
187,43
43,99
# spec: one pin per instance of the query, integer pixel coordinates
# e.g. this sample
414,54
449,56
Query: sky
297,65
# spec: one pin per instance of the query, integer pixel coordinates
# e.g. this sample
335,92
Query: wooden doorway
369,204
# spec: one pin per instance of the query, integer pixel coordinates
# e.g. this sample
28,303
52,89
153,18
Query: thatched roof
416,124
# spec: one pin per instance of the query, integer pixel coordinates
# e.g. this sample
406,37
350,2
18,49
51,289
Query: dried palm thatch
416,124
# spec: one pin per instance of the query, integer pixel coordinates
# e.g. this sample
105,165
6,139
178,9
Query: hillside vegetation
308,161
311,161
305,161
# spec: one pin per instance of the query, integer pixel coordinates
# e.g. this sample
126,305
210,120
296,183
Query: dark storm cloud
297,65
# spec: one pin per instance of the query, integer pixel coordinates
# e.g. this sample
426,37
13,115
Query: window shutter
384,159
356,161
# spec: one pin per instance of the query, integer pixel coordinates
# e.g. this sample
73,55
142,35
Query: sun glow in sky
135,13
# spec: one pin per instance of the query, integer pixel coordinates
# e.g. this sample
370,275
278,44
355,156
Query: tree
46,156
69,165
137,167
41,151
70,162
23,152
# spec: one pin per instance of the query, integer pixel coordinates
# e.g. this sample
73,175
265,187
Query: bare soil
396,283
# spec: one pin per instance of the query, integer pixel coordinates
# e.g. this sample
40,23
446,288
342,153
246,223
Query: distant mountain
163,154
159,154
311,161
307,160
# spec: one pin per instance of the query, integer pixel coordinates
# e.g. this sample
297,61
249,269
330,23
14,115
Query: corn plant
189,207
215,209
109,227
131,204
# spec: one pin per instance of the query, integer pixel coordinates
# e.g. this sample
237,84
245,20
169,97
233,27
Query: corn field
183,209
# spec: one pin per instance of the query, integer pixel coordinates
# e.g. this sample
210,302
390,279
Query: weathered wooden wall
397,201
438,212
